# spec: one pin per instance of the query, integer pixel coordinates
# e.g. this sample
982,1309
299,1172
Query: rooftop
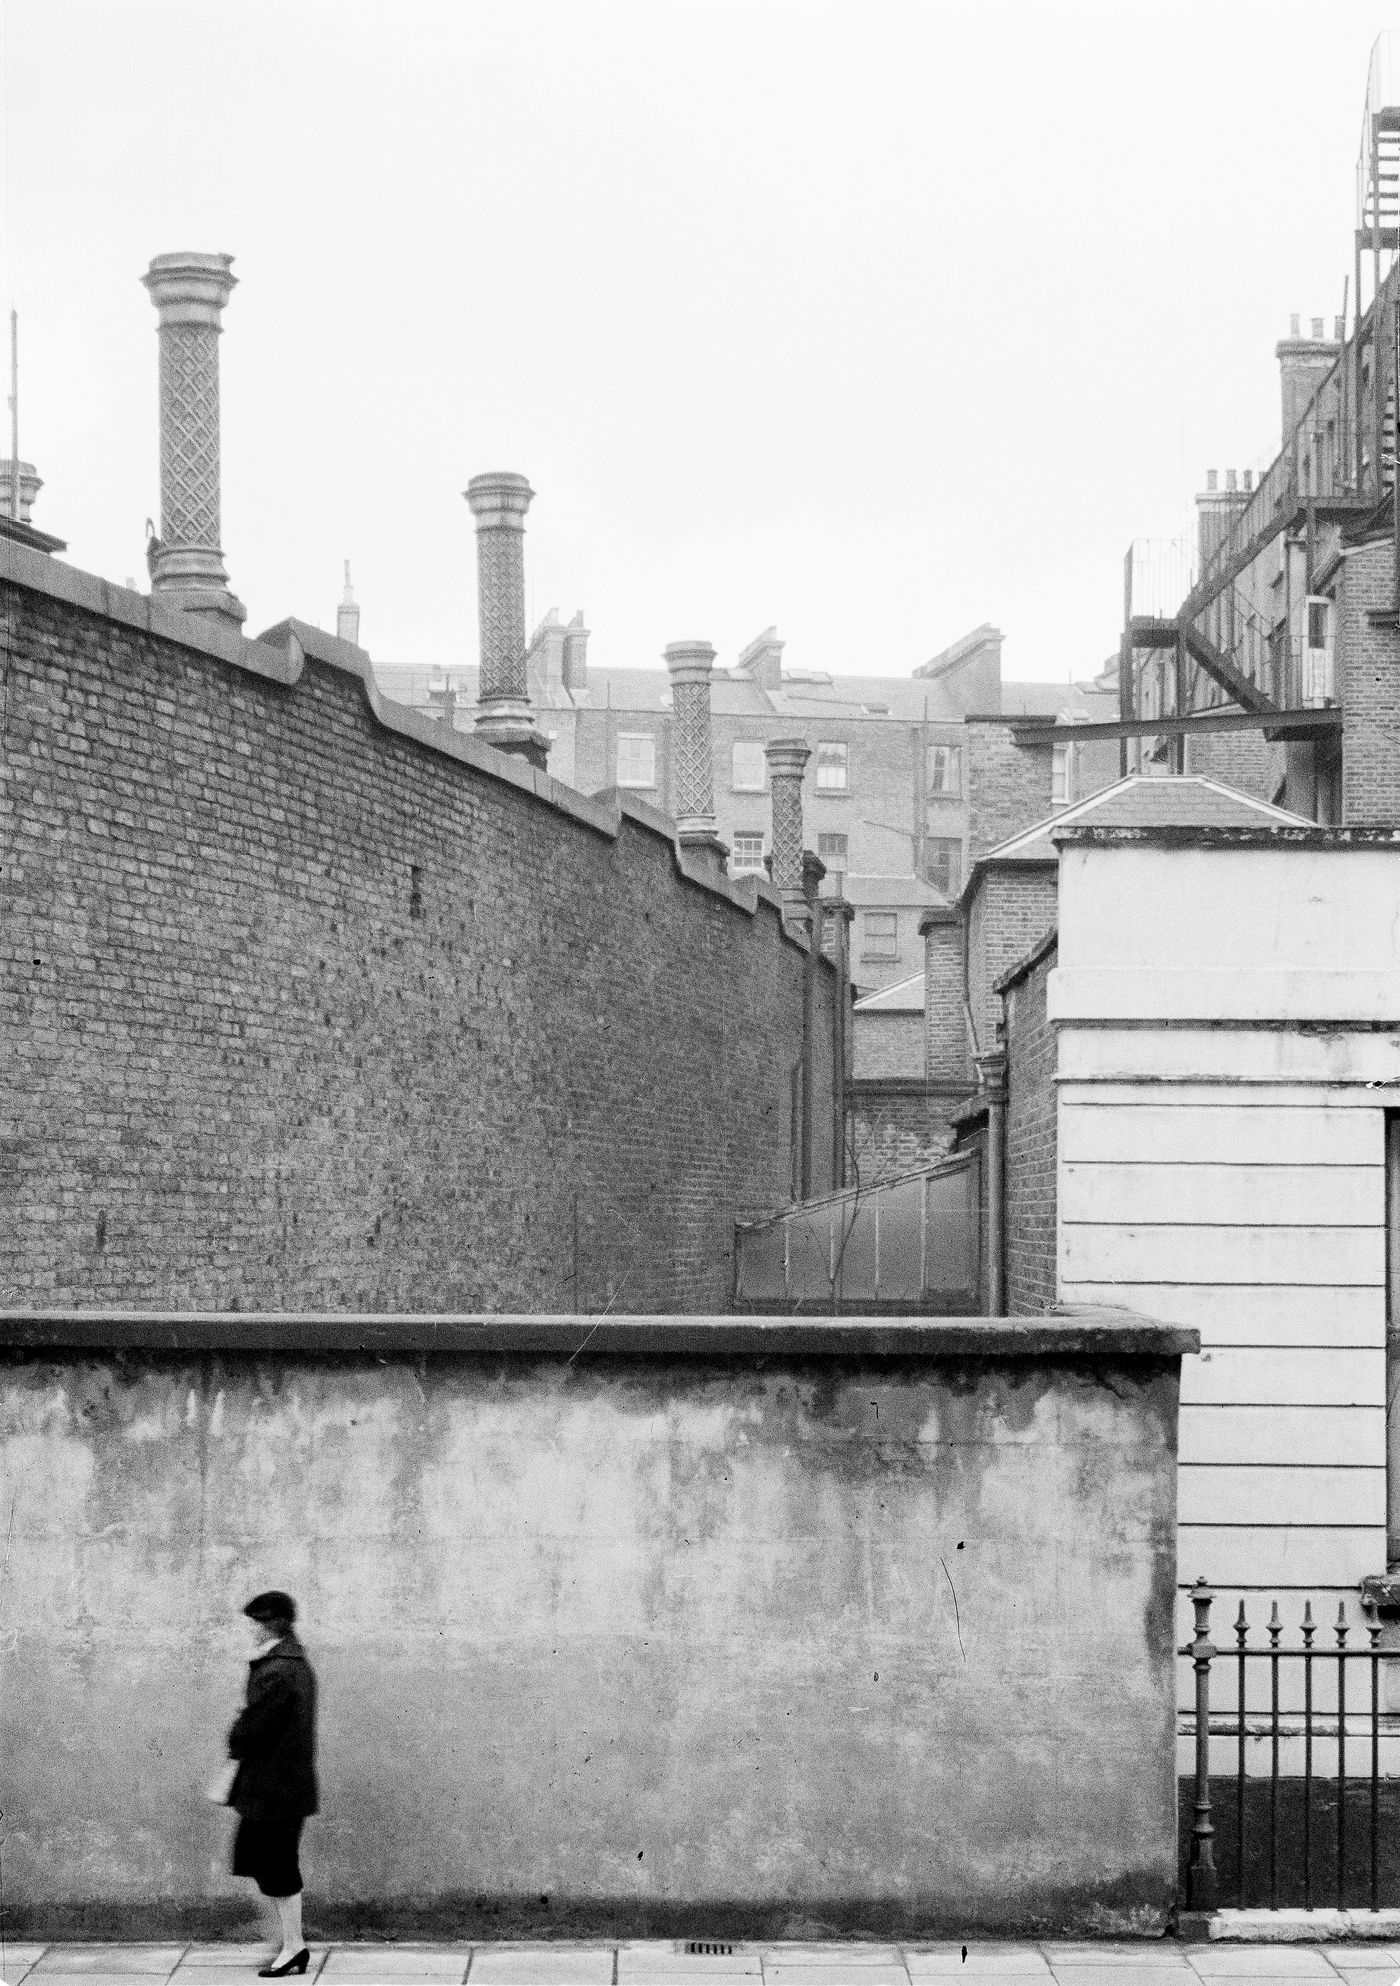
1187,800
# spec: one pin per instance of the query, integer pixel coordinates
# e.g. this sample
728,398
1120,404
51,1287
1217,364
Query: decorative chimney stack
186,561
30,484
787,761
347,614
1216,510
576,656
762,660
505,718
689,663
1303,365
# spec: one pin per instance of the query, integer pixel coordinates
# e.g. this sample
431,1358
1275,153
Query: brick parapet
313,1000
279,655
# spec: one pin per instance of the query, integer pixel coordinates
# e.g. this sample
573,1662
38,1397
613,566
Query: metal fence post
1201,1879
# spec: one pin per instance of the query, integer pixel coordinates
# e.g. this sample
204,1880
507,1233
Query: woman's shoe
298,1962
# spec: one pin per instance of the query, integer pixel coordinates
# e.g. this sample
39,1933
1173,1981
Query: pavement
667,1963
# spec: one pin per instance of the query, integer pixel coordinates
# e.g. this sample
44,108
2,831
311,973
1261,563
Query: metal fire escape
1226,647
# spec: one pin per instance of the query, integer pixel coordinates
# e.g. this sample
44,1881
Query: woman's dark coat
274,1737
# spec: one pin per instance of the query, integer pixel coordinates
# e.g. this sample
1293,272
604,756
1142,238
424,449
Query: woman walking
274,1741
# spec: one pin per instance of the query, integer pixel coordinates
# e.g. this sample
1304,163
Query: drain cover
701,1948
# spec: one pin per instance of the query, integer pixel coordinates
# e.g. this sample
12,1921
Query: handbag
221,1785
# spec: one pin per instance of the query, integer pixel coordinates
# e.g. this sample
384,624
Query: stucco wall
640,1629
310,1000
1226,1010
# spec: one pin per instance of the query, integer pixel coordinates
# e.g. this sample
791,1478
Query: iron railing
1303,1734
909,1243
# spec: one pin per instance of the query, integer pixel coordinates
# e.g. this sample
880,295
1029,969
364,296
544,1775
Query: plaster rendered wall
300,1008
643,1645
1227,1051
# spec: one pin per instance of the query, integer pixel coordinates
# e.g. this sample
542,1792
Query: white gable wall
1228,1023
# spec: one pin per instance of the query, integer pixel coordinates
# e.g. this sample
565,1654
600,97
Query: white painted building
1227,1012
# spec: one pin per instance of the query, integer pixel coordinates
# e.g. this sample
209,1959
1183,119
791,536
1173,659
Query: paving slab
16,1959
1271,1962
85,1960
215,1956
1167,1973
541,1965
667,1966
1109,1958
1382,1960
849,1955
232,1972
806,1972
1022,1962
396,1965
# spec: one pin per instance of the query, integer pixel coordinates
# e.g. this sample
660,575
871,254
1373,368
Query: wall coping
279,655
1023,968
1070,1333
1179,835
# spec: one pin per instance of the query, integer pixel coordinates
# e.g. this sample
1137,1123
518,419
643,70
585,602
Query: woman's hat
271,1607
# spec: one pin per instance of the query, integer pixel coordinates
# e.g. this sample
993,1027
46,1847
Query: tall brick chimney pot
689,664
189,292
787,761
505,716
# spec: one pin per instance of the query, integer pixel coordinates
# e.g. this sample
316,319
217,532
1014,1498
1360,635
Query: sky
870,321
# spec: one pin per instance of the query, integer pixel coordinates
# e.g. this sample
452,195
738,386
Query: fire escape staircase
1182,632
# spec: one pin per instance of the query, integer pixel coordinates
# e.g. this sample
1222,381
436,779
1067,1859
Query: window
880,934
831,768
636,758
832,850
943,866
945,769
1317,623
746,858
749,768
1062,776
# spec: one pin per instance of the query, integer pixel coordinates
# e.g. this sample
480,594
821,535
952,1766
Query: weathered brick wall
1368,670
898,1125
888,1045
1009,785
1242,759
945,1022
1010,912
1030,1144
302,1010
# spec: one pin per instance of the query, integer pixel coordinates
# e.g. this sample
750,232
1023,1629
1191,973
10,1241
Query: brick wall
1010,912
898,1125
888,1044
1030,1144
945,1022
305,1009
1009,785
1242,759
1368,667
